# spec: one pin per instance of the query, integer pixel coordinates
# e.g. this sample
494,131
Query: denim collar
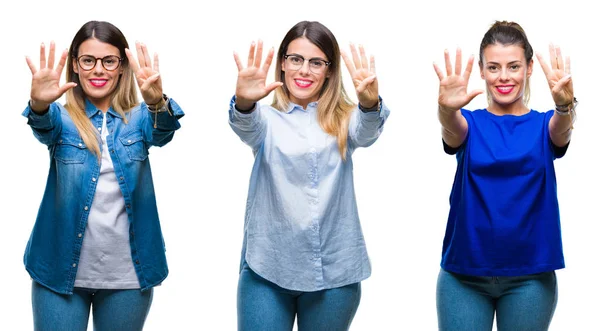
91,110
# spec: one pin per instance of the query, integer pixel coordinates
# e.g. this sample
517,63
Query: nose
304,69
504,74
98,66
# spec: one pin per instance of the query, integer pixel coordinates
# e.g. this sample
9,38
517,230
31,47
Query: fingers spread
355,57
132,62
238,63
348,63
31,65
469,68
458,62
251,54
62,61
42,56
51,55
363,57
156,62
448,64
258,56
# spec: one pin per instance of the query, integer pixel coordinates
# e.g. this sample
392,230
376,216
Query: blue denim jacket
52,253
302,230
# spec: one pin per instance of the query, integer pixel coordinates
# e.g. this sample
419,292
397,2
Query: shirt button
79,145
129,141
93,179
85,208
79,235
74,265
121,178
99,129
137,261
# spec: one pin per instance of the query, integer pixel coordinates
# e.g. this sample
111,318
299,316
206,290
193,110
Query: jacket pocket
70,149
135,146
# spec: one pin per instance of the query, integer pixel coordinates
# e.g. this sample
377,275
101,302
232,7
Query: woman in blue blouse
97,239
303,251
503,239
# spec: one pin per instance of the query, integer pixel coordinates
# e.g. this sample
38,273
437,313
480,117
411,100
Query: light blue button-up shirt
54,247
302,230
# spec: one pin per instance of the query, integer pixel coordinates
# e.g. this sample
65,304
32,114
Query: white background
402,182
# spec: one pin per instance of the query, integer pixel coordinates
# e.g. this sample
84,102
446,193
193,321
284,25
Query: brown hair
125,94
334,107
508,33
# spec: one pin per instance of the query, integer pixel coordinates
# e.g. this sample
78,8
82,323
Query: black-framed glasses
296,61
109,62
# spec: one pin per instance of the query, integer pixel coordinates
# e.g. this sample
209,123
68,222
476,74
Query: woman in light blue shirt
303,249
97,243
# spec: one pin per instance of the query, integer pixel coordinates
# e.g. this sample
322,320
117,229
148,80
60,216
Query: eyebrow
511,62
312,58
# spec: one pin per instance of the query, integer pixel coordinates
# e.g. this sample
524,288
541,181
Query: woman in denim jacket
97,239
304,253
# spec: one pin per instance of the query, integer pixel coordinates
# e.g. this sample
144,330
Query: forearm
454,126
560,128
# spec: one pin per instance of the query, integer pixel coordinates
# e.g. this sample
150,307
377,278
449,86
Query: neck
515,108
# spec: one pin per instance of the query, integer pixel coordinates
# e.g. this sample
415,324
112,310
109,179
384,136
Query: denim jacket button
85,208
79,235
74,265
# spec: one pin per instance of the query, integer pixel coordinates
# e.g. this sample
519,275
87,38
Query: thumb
66,87
471,95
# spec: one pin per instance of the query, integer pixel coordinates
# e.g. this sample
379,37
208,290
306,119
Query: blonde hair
334,107
124,96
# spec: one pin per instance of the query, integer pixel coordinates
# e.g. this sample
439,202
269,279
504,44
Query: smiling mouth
505,89
98,82
303,83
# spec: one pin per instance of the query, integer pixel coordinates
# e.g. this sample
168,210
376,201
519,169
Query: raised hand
45,87
250,86
558,75
453,87
363,76
146,74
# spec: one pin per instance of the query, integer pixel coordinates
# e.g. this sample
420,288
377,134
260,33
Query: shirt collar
310,107
91,110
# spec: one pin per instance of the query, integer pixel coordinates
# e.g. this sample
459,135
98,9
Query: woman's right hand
250,86
453,87
45,87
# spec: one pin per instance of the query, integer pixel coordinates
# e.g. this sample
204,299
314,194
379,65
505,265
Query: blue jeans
114,310
521,303
264,306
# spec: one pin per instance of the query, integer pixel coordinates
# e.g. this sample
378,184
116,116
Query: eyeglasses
296,61
109,62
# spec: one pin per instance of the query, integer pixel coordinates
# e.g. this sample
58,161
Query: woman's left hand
363,76
558,75
146,74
